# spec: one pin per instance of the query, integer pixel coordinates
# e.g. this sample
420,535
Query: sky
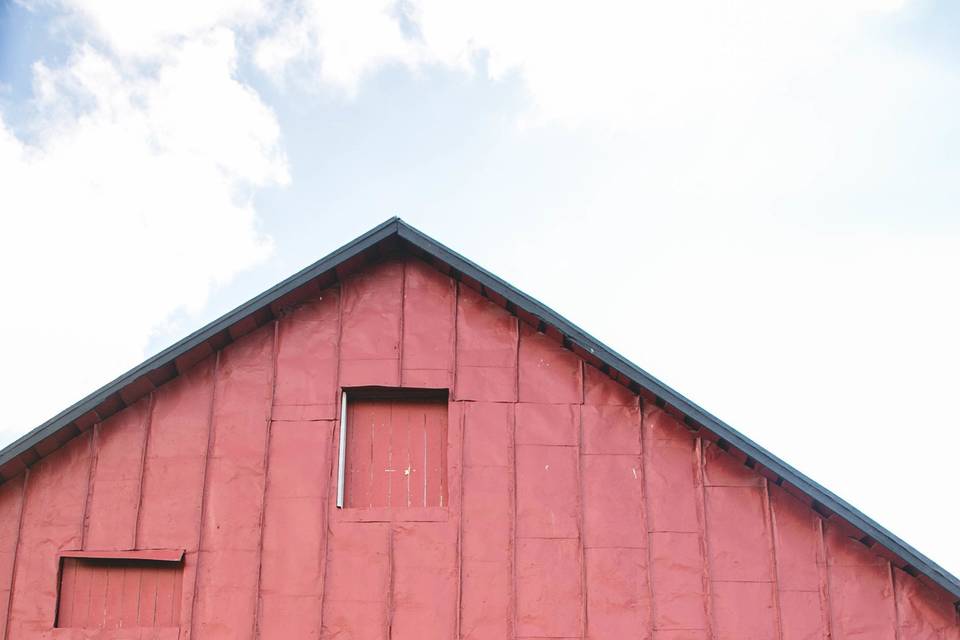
757,201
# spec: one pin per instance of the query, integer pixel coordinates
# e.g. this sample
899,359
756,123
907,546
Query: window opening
393,448
119,590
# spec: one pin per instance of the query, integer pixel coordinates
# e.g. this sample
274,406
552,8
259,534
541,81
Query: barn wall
575,510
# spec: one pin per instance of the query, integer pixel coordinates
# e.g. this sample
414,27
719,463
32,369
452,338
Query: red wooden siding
571,508
115,487
306,384
11,500
487,559
228,567
175,463
429,329
52,520
295,529
371,326
119,594
396,453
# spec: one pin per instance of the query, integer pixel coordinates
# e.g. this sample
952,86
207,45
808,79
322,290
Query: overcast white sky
757,201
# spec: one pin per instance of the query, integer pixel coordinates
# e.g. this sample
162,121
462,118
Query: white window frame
341,470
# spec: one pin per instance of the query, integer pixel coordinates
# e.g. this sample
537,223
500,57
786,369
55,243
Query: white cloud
147,29
336,42
128,197
620,65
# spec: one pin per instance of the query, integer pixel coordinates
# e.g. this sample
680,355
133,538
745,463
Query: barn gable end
578,503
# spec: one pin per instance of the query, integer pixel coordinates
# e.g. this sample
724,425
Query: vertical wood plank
68,581
359,458
228,565
433,417
413,438
96,612
677,558
486,355
149,588
738,543
131,596
115,486
424,585
357,585
113,598
429,325
307,360
11,508
52,521
164,598
547,371
171,501
295,530
796,531
370,338
381,459
861,597
486,606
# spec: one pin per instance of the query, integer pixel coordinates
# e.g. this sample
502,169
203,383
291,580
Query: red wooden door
396,453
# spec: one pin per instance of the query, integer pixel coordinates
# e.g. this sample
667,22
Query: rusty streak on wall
573,508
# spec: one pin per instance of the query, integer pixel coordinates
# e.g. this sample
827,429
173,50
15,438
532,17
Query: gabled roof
395,234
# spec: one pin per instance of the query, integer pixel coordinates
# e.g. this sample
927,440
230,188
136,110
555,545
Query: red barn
395,443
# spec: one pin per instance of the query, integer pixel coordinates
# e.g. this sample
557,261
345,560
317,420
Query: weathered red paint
52,520
307,360
115,482
486,350
11,502
229,560
293,551
571,508
371,319
429,327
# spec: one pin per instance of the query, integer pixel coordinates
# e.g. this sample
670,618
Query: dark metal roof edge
710,422
395,226
171,353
